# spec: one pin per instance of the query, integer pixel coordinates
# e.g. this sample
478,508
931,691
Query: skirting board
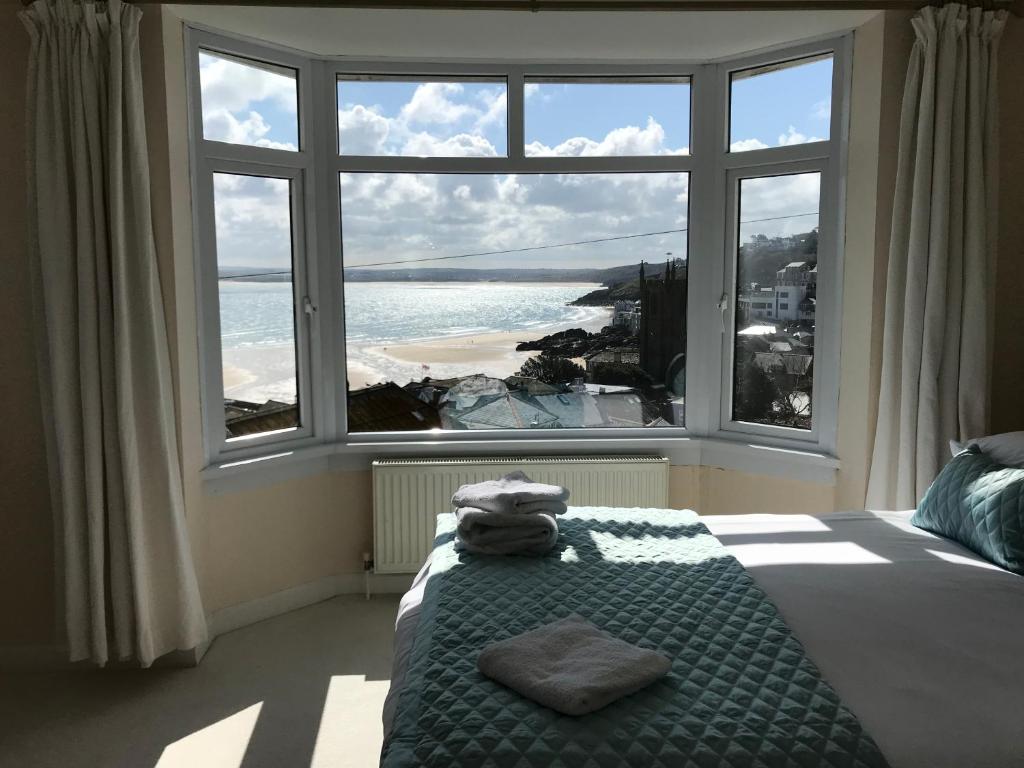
242,615
226,619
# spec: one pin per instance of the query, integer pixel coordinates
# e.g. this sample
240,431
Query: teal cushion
980,504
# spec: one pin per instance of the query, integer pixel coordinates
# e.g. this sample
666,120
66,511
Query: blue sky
791,103
558,112
396,216
256,106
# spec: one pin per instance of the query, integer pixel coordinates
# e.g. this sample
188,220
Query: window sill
743,456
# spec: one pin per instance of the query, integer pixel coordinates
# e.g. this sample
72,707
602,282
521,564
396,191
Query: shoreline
491,353
262,372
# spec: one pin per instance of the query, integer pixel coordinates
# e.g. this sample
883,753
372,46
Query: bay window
531,250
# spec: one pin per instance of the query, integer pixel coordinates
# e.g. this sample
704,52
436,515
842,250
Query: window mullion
516,115
320,287
704,271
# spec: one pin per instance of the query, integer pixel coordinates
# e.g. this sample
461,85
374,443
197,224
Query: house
388,407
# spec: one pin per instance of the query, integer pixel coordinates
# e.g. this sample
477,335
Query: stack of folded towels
509,516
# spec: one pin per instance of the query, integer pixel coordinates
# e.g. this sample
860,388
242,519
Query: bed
917,639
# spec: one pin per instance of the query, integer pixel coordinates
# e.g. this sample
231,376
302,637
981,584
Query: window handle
723,307
308,306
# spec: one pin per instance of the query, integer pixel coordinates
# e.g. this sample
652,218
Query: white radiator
408,494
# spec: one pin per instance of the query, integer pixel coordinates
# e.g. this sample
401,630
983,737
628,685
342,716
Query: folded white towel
499,533
513,493
571,666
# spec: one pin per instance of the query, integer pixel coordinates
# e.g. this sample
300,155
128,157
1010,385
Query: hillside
606,297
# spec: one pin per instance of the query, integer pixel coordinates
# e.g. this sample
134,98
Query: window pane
257,306
248,102
621,116
417,118
776,289
781,104
514,301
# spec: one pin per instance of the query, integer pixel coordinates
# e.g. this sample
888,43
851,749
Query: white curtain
936,357
129,587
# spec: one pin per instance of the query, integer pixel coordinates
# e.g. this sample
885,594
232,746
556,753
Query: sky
388,217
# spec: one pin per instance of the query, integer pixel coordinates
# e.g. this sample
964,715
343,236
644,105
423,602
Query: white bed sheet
923,640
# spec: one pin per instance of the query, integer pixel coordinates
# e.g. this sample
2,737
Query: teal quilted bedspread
741,692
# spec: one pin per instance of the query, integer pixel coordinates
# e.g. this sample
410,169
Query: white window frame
829,159
711,249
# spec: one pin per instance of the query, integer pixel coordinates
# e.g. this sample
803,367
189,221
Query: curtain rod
1016,7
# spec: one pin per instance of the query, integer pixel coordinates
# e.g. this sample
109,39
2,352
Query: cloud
391,217
440,120
222,125
237,98
430,103
231,85
793,136
496,108
629,140
460,145
253,220
822,110
363,131
745,145
781,200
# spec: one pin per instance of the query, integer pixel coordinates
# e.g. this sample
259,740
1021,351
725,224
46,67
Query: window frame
829,158
208,157
711,169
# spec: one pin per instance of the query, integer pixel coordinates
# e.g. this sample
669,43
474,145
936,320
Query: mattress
741,690
920,638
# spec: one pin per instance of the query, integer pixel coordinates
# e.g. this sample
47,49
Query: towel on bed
499,533
513,493
571,666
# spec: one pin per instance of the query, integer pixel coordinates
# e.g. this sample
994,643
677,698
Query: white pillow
1006,449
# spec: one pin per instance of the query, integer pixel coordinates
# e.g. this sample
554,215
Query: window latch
308,306
723,307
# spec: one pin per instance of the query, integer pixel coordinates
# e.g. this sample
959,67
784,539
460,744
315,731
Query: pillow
980,504
1007,448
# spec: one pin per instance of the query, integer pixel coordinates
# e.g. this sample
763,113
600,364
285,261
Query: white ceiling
623,35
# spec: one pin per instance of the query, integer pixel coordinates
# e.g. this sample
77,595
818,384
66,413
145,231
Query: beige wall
254,543
304,530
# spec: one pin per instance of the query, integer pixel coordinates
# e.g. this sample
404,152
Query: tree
621,374
551,369
794,403
756,393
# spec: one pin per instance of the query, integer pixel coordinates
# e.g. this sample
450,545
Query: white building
627,315
790,300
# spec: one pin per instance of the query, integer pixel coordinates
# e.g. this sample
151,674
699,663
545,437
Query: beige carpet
303,689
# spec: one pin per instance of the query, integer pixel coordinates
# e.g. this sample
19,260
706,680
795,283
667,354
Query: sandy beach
260,373
267,372
493,354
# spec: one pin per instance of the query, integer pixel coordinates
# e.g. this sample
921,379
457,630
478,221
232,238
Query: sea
380,314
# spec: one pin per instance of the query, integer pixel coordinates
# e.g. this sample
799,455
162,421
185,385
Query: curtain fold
936,355
130,589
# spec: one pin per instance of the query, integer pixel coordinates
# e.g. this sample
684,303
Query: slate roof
388,407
